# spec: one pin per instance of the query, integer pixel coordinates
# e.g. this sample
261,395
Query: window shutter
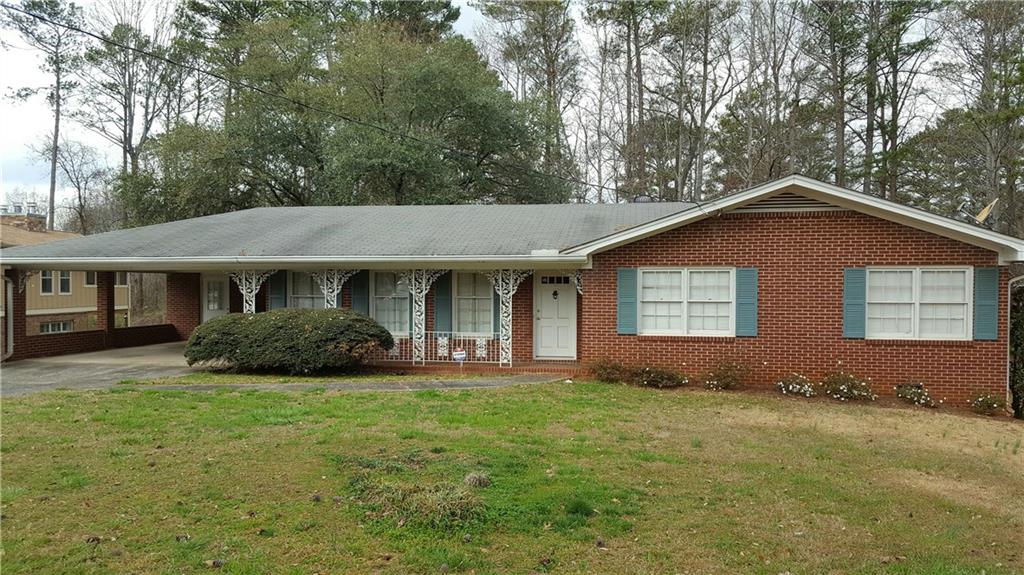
986,303
443,303
854,302
278,286
746,302
496,308
360,286
625,311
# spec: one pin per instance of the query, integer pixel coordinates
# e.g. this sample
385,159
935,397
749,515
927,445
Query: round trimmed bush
289,340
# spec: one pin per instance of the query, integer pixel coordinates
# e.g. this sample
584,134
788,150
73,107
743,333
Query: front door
214,295
554,306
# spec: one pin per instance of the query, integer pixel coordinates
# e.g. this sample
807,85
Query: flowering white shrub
846,387
915,393
796,384
726,375
986,404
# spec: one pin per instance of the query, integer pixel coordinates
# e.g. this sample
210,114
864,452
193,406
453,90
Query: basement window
56,327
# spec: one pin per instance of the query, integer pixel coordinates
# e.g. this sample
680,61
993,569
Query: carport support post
16,309
105,305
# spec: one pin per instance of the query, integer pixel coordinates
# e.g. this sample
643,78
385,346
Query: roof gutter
546,259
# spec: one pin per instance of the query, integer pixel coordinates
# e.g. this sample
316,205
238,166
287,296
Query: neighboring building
56,301
794,275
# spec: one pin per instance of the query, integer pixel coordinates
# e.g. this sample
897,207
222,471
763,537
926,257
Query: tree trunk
51,208
641,156
871,78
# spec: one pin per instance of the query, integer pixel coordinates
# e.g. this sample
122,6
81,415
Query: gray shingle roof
363,231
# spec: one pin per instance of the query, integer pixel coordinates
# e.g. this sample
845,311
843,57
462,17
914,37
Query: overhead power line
264,92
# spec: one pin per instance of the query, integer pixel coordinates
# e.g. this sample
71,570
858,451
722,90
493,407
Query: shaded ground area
96,370
567,478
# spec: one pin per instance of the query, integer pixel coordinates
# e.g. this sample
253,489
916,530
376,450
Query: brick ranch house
794,275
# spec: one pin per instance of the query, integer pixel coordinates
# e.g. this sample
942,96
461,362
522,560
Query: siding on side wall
800,260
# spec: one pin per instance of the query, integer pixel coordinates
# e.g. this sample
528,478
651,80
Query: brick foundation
800,260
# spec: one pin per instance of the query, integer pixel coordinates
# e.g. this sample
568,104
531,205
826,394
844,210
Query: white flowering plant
915,393
796,384
987,404
726,375
847,387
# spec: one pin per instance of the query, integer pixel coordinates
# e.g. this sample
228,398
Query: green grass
230,378
584,478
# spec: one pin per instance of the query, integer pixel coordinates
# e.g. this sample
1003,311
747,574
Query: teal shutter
360,286
854,302
746,302
443,303
625,309
278,287
496,304
986,303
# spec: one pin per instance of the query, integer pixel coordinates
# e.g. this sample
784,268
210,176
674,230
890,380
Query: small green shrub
659,378
915,393
726,375
796,384
610,371
288,340
846,387
987,404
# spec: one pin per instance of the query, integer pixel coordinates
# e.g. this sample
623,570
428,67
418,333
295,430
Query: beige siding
81,296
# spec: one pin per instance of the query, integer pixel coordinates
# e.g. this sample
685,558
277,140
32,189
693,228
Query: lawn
584,478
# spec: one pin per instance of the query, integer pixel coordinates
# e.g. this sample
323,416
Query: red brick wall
800,260
183,303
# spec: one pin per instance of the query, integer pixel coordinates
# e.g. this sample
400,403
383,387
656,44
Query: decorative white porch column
505,283
330,282
419,284
249,282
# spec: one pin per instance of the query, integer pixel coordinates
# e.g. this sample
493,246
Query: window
56,327
121,279
46,282
687,302
90,279
390,300
474,304
305,292
918,303
64,283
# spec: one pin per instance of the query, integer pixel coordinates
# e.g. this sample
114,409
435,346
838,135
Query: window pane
891,286
709,286
90,278
384,284
939,320
661,316
890,319
46,281
306,293
65,282
941,286
708,317
661,286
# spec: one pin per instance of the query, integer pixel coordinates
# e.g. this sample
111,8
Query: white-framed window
46,282
473,307
305,292
389,301
64,283
121,279
688,301
90,279
56,327
919,303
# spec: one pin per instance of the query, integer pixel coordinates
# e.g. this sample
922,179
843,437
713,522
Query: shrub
726,375
796,384
915,393
986,404
846,387
290,340
659,378
610,371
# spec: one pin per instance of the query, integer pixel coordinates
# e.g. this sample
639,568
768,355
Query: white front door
214,290
554,312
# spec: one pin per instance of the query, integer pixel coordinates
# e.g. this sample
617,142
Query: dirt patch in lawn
964,491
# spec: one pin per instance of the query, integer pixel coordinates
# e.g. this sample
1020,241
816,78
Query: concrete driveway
95,370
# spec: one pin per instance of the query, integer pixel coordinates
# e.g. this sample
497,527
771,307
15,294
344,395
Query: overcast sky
30,123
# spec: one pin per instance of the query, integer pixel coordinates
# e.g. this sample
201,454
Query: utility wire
340,116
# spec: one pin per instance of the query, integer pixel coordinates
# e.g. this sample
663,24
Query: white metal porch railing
440,347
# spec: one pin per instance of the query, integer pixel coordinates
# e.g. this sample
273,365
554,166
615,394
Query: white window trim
71,281
373,302
53,288
915,314
684,330
455,308
70,324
